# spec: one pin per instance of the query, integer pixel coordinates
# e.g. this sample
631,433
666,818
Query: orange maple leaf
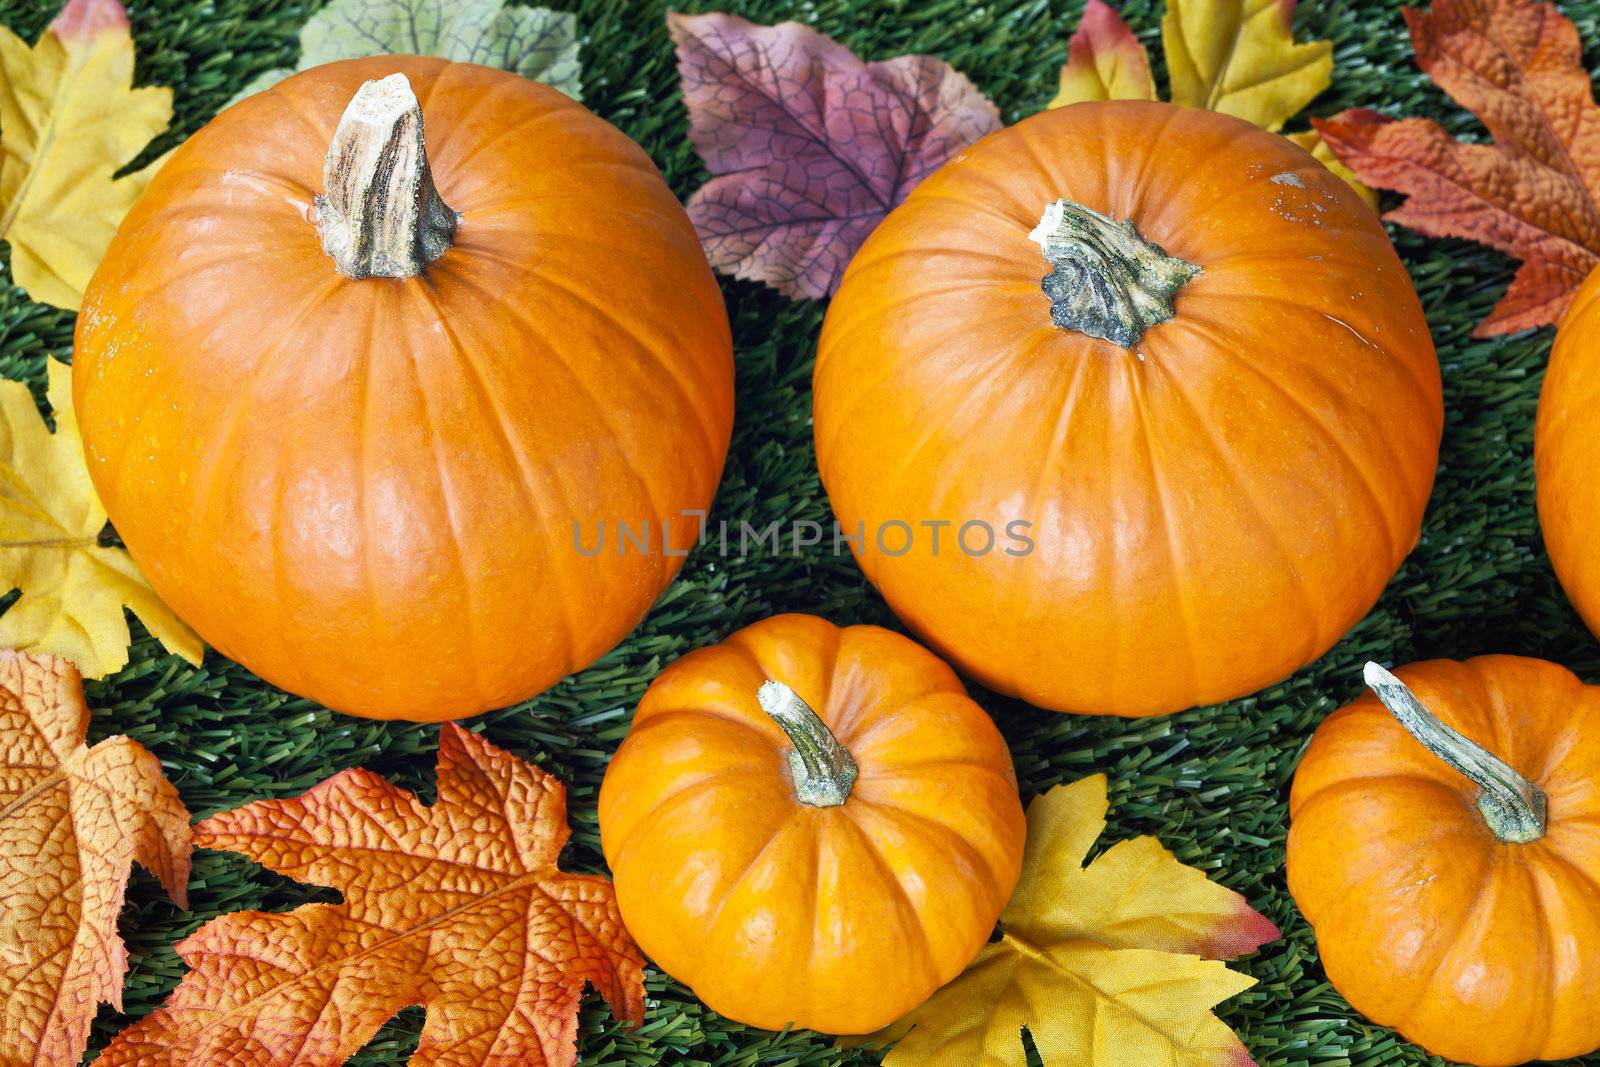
458,907
72,822
1518,66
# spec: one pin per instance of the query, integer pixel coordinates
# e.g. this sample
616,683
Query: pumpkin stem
380,214
1514,807
821,767
1108,282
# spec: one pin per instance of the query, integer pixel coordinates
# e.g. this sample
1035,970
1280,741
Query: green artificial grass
1212,784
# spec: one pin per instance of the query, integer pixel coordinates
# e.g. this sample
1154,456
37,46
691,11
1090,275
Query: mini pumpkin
811,825
1566,452
361,407
1166,385
1447,853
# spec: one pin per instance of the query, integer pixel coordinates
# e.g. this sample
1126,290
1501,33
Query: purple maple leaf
808,146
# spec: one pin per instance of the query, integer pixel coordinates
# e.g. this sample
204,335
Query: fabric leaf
1518,66
73,821
1111,964
1105,61
1234,58
458,907
809,147
1239,57
532,41
73,588
69,120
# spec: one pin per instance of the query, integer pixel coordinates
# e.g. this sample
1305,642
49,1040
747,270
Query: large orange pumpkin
1218,414
1566,452
356,424
1453,876
826,868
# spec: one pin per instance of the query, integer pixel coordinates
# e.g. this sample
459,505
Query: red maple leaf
1518,66
458,906
808,146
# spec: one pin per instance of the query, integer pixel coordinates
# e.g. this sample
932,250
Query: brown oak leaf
458,907
808,146
73,820
1518,66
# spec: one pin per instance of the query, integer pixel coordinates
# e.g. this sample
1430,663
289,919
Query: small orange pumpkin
1216,417
811,825
1455,890
1566,452
362,413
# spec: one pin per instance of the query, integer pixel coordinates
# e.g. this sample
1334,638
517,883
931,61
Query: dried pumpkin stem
1108,281
821,767
1514,807
380,214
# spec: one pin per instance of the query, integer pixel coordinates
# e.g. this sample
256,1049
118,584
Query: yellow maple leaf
1113,964
1238,57
73,588
69,119
73,820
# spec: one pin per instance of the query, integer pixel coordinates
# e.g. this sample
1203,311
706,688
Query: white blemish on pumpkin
1283,209
1287,178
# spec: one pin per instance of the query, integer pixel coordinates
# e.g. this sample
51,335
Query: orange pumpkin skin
1209,511
839,919
1479,951
1566,452
366,490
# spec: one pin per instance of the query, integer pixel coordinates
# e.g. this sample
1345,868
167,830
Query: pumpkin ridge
1467,928
1141,187
1455,784
460,122
1231,463
1169,530
1313,420
750,722
1591,882
935,430
667,803
536,332
982,207
743,643
1240,130
862,735
1020,585
495,209
377,619
894,812
670,371
846,725
319,132
206,498
1546,954
904,906
1424,394
447,500
796,824
519,461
